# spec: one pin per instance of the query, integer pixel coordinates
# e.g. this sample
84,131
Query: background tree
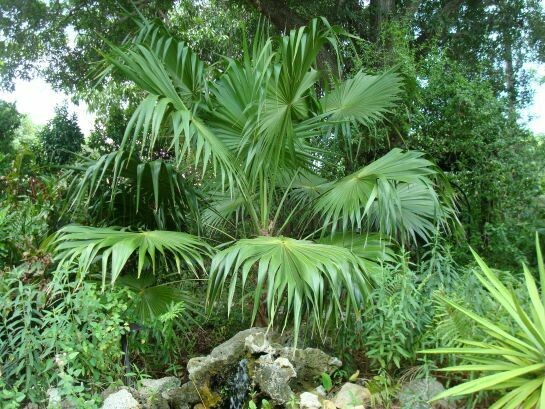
109,130
61,137
59,40
10,120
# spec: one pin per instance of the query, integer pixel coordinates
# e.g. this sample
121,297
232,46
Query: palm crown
246,134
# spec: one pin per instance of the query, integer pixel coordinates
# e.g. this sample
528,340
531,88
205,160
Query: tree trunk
380,11
279,13
510,77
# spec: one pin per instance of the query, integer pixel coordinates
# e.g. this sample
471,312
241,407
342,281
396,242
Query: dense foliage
61,137
253,163
10,120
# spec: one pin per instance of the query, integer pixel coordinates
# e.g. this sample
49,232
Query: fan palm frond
297,278
363,98
150,301
114,247
153,183
173,77
371,248
394,194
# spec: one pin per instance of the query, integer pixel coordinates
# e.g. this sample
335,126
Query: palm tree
245,135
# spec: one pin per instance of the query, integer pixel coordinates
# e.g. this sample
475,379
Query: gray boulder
212,369
309,400
158,386
223,356
152,392
121,399
351,395
417,393
272,375
309,363
279,372
258,343
182,397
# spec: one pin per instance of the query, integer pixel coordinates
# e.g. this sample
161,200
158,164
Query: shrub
57,333
395,319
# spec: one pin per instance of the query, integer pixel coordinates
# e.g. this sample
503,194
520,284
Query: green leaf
327,383
395,195
307,279
363,98
87,245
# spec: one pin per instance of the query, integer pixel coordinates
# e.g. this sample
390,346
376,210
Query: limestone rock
182,397
215,367
335,362
116,388
158,385
277,371
273,376
224,355
327,404
320,391
258,343
351,395
309,363
417,393
152,391
309,400
121,400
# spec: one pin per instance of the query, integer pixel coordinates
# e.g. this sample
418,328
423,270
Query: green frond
152,185
86,246
149,301
294,279
168,117
371,248
394,195
363,98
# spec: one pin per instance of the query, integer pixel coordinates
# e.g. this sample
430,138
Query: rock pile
254,362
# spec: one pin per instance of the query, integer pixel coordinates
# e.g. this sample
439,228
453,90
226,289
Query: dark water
239,385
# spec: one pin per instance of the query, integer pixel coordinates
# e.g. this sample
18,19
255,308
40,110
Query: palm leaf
298,277
113,247
371,248
363,98
394,195
155,184
173,77
150,301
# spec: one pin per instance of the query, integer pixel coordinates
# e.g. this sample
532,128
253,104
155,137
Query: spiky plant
509,359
